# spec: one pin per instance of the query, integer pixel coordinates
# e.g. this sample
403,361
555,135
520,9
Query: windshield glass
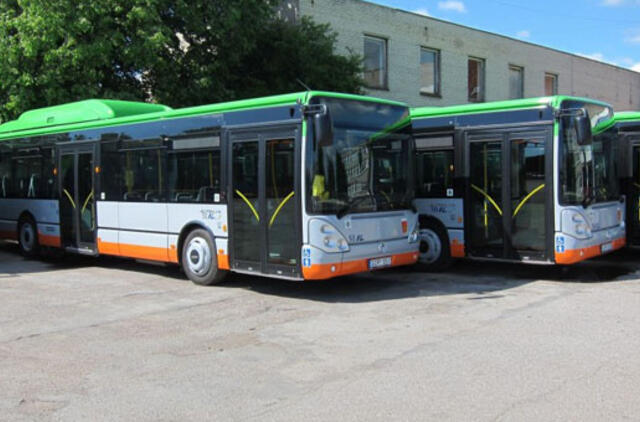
588,173
368,166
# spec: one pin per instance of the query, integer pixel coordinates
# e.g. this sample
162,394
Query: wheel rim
430,246
198,256
27,237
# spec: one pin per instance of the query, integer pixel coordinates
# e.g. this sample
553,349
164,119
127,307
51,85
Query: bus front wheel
199,259
435,253
28,237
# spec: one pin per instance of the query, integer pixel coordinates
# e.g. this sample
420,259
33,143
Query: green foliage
177,52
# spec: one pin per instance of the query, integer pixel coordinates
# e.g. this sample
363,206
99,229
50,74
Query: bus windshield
588,172
368,166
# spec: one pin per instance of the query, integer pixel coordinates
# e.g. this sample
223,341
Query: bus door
76,171
508,194
633,140
264,207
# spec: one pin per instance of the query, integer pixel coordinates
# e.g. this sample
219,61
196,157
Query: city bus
628,125
531,180
303,186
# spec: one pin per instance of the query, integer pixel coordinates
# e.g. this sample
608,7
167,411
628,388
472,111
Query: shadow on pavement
485,279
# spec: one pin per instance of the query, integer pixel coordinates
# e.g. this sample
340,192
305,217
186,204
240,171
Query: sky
605,30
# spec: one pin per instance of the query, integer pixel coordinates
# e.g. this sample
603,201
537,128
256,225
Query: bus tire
199,259
28,237
435,252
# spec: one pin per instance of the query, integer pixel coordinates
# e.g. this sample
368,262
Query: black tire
435,252
199,259
28,237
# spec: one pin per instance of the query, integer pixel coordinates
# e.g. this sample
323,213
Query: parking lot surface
112,339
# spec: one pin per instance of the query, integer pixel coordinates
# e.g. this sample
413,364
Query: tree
177,52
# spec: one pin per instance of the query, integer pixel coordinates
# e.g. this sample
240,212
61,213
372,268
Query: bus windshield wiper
347,207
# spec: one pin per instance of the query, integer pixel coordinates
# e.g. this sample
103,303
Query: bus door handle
249,204
275,214
66,192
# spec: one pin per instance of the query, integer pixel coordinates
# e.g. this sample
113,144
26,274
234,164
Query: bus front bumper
319,265
569,250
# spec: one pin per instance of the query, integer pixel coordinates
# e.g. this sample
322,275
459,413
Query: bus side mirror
582,123
323,128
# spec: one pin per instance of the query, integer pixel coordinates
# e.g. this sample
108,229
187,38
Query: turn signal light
405,226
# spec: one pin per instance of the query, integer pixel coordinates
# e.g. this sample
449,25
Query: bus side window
434,173
5,176
143,172
194,176
48,183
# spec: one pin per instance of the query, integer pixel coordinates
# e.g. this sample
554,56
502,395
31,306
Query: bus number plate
379,263
607,247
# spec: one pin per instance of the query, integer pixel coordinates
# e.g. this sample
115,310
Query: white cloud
635,39
636,67
594,56
525,33
453,5
612,3
423,12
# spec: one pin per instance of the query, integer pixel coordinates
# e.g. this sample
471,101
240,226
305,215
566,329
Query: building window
550,84
375,62
516,82
429,71
476,80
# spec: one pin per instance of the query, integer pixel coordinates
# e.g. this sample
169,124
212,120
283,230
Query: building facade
425,61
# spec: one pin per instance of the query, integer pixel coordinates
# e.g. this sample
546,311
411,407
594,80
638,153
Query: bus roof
627,116
496,106
95,113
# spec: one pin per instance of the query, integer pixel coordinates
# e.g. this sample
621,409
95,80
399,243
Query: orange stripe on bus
223,260
49,240
152,253
326,271
576,255
6,234
457,249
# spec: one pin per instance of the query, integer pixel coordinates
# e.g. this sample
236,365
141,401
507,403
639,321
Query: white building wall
406,32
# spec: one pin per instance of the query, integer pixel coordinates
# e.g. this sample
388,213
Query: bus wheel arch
197,255
435,251
28,235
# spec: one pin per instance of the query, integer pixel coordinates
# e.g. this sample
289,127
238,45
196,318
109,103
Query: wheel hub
27,237
199,256
430,246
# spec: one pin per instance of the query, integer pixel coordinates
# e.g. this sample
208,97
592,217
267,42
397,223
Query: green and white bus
628,126
531,180
300,186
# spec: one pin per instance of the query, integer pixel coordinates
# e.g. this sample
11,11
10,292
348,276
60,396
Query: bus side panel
450,212
44,211
212,216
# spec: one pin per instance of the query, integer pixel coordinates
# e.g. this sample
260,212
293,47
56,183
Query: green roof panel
79,112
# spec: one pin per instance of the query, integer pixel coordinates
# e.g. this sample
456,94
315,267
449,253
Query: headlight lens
331,240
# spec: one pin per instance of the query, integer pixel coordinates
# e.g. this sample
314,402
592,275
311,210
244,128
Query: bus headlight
331,240
581,228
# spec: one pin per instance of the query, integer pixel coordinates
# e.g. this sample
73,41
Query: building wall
406,32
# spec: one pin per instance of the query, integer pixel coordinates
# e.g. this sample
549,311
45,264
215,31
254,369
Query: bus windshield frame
588,172
368,166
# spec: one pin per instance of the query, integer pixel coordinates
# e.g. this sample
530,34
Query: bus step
81,251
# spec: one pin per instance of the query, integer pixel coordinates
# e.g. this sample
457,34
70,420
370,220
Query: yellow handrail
275,214
87,201
70,198
255,213
526,198
483,193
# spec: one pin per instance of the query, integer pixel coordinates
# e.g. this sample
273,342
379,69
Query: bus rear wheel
199,259
435,253
28,237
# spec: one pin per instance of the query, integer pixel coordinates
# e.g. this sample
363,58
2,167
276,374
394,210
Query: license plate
607,247
379,263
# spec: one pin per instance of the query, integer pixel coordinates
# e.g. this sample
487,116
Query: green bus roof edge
11,130
496,106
